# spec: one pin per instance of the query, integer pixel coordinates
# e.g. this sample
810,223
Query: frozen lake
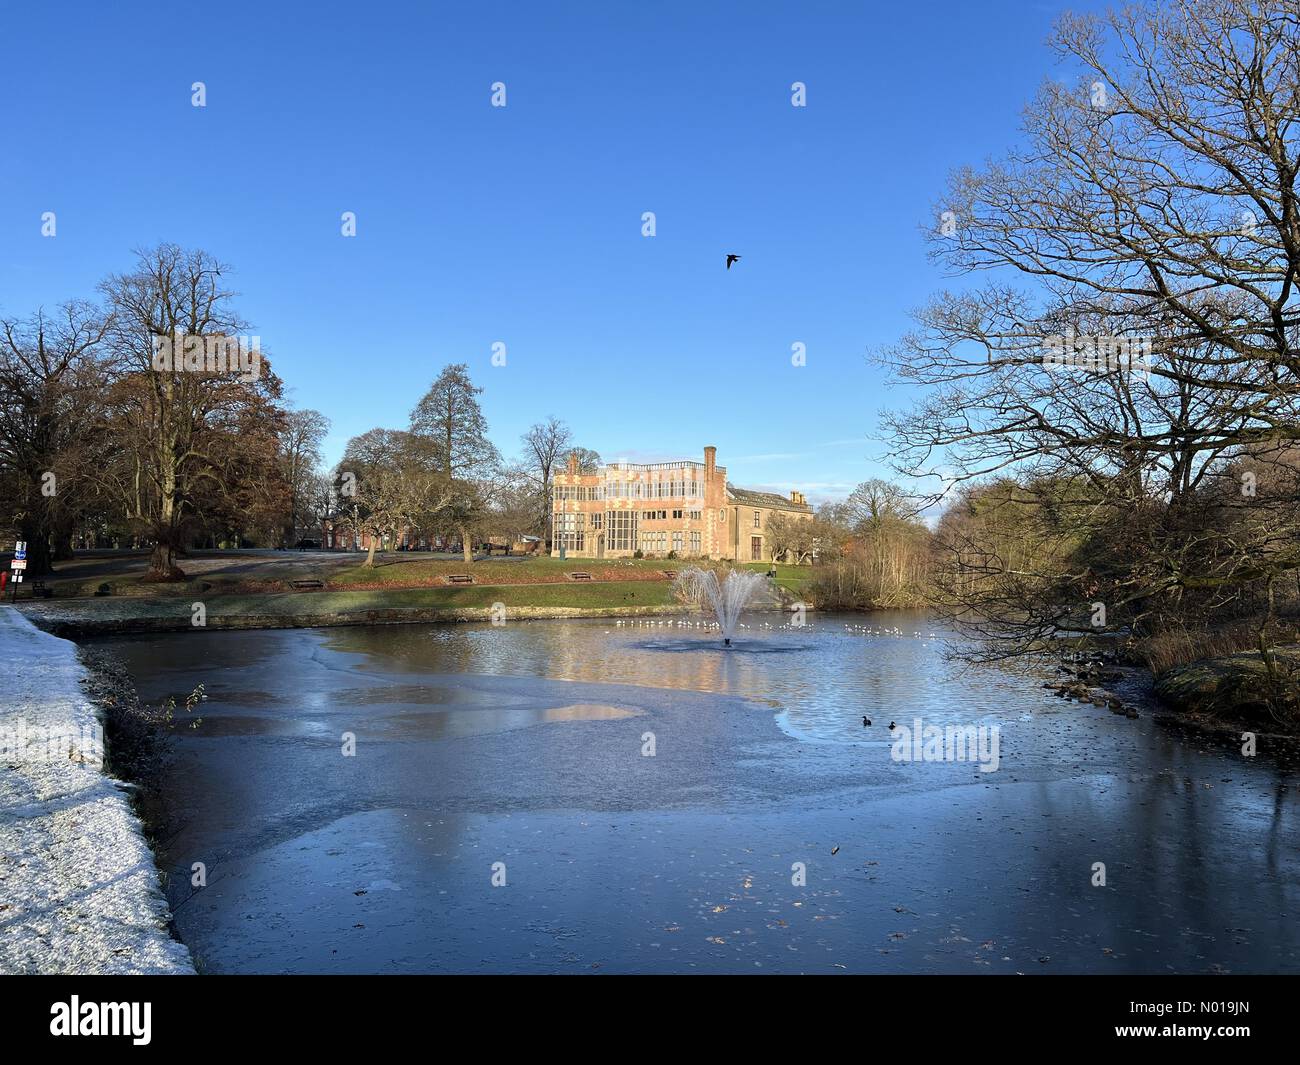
769,830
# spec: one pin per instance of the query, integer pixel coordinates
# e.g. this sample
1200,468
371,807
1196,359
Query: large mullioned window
620,530
570,531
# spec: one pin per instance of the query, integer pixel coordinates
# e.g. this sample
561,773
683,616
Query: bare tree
300,441
1152,218
546,444
790,534
588,460
167,414
512,504
390,486
51,382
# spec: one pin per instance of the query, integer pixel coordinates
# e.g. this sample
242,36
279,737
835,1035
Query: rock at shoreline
1236,686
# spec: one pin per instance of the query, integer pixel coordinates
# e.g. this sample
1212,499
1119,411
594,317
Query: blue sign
20,549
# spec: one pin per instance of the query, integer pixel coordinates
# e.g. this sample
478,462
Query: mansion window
654,543
671,489
694,515
569,531
695,543
579,492
677,513
620,530
758,515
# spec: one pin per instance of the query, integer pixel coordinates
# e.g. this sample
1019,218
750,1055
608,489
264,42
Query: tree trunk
370,558
162,563
32,530
162,560
467,547
62,542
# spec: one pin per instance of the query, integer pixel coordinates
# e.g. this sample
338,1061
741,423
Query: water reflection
823,677
525,745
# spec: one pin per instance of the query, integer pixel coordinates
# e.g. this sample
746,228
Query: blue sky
522,225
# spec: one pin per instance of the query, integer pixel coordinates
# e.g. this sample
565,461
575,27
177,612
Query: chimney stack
710,461
573,463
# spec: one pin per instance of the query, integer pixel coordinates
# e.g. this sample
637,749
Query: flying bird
732,259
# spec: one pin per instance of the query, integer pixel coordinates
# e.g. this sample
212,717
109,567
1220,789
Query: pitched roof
765,499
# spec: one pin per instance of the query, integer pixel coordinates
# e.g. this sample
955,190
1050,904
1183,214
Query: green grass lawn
584,596
789,576
393,572
415,586
412,569
417,570
288,604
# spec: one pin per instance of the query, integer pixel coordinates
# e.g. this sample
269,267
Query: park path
79,890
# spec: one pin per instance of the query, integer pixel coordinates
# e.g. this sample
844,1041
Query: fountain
724,599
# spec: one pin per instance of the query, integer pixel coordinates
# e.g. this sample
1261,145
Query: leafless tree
1151,220
167,416
300,441
52,382
546,445
387,485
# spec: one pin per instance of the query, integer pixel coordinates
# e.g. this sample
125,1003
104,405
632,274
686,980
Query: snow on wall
78,888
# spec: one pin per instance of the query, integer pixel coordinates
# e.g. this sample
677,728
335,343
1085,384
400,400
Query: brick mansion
684,506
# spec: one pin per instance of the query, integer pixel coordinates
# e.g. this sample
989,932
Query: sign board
20,549
18,563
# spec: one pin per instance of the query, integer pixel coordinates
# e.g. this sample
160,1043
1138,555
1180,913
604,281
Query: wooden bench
460,578
307,584
579,576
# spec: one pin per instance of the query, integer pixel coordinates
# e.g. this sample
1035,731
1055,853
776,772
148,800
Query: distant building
684,507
